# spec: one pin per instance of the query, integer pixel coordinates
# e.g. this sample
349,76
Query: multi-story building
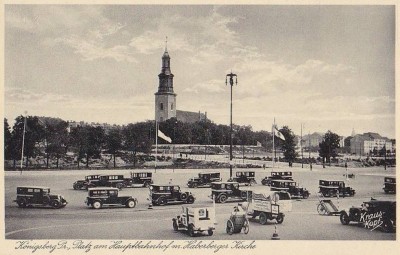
369,143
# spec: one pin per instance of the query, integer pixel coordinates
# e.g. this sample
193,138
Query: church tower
165,103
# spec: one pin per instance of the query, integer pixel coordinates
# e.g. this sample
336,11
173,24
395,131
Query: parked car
270,205
92,180
244,177
108,196
117,181
165,194
390,185
290,186
28,196
89,181
222,191
276,176
141,179
204,180
195,220
334,188
372,214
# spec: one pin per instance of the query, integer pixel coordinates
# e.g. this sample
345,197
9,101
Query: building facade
369,143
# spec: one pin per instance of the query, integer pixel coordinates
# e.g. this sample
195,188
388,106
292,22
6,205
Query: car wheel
131,204
229,227
321,209
263,218
306,195
191,230
183,196
194,185
344,218
222,198
279,219
75,187
120,185
162,201
190,200
175,225
210,232
246,227
147,184
387,226
386,191
332,193
55,204
21,203
252,182
96,204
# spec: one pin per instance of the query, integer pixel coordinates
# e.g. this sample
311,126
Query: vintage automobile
290,186
276,176
269,205
165,194
244,177
204,180
108,196
114,180
222,191
141,179
390,185
29,196
335,188
372,214
195,220
89,181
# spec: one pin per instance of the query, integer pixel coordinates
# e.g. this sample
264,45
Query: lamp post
23,141
230,75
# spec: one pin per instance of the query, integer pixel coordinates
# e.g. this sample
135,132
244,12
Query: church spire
166,43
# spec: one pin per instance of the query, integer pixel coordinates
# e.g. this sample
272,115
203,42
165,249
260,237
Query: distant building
190,117
367,143
312,140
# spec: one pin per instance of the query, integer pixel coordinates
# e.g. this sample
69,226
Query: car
290,186
222,191
89,181
204,179
335,188
108,196
372,214
244,177
29,196
389,185
276,176
269,205
92,180
139,179
113,180
195,220
166,194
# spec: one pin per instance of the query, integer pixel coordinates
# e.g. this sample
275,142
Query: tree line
53,138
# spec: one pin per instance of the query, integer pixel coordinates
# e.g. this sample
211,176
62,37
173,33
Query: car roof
32,187
209,173
162,185
279,180
102,188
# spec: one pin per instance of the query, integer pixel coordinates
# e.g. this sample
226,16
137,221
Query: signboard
275,209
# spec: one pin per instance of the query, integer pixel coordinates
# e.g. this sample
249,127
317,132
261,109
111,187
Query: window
172,107
161,106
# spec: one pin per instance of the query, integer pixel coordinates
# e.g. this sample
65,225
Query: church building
165,98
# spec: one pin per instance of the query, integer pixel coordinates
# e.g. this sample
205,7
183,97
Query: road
77,221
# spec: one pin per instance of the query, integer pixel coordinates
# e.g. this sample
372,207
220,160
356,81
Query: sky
328,67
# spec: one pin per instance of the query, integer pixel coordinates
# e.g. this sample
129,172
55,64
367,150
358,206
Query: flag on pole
163,136
279,134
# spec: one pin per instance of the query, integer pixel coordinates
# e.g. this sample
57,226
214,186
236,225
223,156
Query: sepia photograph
207,127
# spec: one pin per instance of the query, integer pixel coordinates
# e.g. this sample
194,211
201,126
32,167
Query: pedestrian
310,166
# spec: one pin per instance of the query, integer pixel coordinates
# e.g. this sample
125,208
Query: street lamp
231,75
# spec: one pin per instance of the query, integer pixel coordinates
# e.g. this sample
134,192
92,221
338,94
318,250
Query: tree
57,139
113,142
7,140
328,147
94,143
34,134
288,145
136,138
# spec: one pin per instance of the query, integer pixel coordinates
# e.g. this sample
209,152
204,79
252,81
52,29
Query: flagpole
273,144
23,142
155,162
